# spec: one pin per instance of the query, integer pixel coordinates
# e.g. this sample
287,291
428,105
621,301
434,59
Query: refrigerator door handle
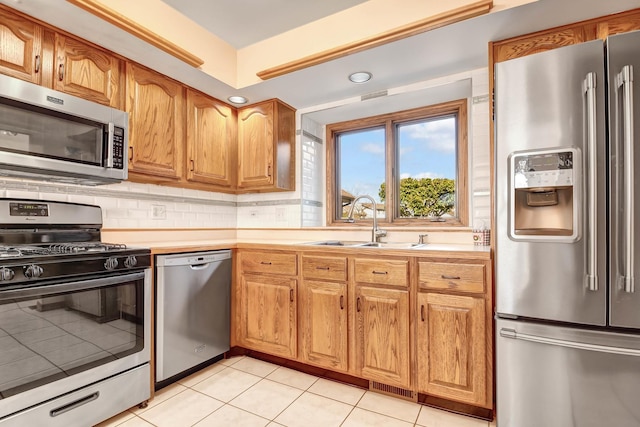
513,334
591,278
624,79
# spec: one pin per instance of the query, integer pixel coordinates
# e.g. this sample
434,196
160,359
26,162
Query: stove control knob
6,274
111,263
32,271
131,261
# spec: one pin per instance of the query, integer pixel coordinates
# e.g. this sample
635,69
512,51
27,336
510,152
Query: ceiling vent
372,95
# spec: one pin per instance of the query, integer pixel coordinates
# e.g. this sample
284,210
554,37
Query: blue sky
427,150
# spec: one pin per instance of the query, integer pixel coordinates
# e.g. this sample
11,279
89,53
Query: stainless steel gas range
74,317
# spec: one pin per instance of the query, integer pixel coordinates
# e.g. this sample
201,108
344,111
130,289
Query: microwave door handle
591,278
110,136
624,80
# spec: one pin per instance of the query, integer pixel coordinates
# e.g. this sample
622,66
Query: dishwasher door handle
199,266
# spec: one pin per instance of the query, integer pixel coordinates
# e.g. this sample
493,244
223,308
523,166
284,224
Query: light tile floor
251,393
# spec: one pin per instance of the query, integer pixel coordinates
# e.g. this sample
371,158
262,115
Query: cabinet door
382,335
255,145
155,105
324,324
268,314
210,140
452,347
21,47
87,72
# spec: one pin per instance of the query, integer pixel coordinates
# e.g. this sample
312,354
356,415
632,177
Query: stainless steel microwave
46,134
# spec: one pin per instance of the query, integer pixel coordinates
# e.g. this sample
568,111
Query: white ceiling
244,22
449,50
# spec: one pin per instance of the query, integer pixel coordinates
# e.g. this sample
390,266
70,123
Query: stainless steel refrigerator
568,213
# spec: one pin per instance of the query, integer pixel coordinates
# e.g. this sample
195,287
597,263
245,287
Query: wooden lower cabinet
268,314
382,335
452,347
323,323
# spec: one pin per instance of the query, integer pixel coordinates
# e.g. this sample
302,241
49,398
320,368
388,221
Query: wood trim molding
456,15
137,30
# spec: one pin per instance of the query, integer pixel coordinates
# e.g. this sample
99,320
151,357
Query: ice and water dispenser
544,194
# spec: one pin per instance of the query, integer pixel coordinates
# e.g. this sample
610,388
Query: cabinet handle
192,166
358,305
265,263
61,72
269,170
446,277
341,302
291,295
322,268
379,272
37,67
131,153
422,312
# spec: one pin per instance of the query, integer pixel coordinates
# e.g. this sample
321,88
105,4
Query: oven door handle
69,287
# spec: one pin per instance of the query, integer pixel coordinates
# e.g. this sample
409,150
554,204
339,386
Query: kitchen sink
336,243
389,245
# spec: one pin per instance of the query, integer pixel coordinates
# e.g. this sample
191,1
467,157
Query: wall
130,205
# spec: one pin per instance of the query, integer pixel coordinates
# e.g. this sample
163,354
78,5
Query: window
413,163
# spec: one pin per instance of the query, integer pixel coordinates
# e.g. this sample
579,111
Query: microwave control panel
543,169
118,148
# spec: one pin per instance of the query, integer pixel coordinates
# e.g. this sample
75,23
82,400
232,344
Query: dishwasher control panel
198,258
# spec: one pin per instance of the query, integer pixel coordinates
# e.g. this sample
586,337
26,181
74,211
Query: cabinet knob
341,302
291,295
422,312
61,72
131,153
37,64
358,305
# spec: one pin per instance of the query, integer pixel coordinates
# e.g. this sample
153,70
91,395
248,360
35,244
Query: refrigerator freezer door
557,377
623,60
549,102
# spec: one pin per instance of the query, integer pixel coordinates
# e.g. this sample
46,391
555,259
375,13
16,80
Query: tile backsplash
133,205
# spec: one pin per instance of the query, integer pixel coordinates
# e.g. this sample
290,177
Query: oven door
57,338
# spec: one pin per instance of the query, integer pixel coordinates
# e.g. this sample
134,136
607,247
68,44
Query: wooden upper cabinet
266,147
543,41
88,72
629,21
22,48
155,105
211,140
452,348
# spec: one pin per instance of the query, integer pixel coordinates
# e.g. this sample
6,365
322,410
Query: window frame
389,121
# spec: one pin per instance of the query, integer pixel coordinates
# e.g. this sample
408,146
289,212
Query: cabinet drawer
382,271
324,267
459,277
267,262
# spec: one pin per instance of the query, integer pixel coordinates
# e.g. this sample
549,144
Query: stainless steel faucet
376,233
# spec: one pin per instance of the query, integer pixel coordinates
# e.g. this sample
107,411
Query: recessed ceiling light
360,76
237,99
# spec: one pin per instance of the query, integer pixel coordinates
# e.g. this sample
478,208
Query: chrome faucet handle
422,238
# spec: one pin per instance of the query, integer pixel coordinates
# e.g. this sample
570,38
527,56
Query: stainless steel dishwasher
193,292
